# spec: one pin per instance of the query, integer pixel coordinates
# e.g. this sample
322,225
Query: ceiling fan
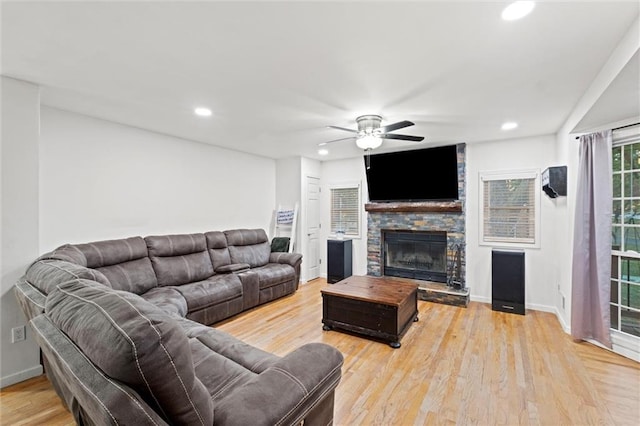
370,132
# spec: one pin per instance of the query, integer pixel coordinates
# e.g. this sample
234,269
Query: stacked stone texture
452,223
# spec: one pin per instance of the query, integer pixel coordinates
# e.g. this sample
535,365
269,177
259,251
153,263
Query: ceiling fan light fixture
369,142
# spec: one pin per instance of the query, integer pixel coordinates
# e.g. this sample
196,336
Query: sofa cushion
136,276
218,250
248,246
249,357
168,299
274,274
179,259
112,252
68,253
133,341
124,262
209,292
218,373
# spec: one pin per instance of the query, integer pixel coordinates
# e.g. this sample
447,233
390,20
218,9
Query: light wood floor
455,366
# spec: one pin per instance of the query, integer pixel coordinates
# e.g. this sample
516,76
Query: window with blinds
345,210
510,208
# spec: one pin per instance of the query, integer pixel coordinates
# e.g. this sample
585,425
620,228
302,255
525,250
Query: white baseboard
563,324
532,306
542,308
21,376
625,345
622,344
480,299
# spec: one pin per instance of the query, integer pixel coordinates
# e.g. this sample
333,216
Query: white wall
101,180
288,188
540,263
19,177
335,173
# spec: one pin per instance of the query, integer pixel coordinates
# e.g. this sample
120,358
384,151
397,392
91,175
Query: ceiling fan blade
403,137
343,128
396,126
335,140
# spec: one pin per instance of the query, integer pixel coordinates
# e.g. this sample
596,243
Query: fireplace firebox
419,255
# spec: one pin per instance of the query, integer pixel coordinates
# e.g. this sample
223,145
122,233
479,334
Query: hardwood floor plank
456,366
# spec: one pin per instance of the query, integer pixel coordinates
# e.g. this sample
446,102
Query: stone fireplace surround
448,216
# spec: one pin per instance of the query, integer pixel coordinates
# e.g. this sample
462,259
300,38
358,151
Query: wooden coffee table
379,307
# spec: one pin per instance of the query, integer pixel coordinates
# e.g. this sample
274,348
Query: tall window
345,210
510,208
625,245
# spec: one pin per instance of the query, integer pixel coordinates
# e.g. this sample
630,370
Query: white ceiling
277,74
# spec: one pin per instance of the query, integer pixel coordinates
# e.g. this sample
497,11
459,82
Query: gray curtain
591,282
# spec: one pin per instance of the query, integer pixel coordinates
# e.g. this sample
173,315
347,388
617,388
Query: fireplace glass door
415,254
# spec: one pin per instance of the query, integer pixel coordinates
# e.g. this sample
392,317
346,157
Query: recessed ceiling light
323,151
202,112
517,10
509,125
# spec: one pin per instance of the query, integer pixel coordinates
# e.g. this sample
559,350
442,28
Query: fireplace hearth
420,255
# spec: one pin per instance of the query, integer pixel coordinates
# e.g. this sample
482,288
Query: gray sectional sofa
122,325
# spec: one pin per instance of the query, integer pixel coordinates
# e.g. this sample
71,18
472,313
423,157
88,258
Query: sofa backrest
134,342
179,259
248,246
46,273
124,262
218,249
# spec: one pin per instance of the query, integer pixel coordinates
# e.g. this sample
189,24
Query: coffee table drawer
372,316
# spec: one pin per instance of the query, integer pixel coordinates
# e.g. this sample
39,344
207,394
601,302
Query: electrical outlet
18,334
563,303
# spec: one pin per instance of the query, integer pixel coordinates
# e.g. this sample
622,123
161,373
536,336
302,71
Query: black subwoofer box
507,281
338,260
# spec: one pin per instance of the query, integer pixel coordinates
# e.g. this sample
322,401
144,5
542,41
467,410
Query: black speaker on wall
507,281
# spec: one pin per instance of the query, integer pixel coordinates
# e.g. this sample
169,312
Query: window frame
346,185
621,254
485,176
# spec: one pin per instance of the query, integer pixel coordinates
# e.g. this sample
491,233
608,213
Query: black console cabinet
507,281
338,260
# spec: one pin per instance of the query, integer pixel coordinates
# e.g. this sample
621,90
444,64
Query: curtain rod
624,127
619,128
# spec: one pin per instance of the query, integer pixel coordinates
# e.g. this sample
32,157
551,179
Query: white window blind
509,209
345,210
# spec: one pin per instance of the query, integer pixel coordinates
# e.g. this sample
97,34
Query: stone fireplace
445,220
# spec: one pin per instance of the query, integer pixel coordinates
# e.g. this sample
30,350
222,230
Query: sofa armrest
286,392
232,267
293,259
30,299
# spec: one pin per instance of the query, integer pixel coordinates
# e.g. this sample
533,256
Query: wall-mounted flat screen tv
419,175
